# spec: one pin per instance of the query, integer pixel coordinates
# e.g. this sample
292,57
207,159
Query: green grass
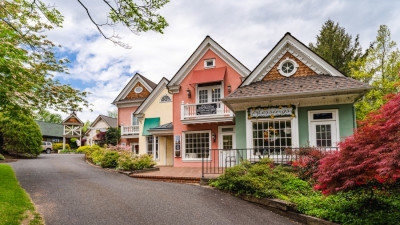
15,204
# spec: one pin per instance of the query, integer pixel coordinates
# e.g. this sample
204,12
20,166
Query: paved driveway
66,190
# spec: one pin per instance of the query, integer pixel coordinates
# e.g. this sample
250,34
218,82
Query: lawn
15,204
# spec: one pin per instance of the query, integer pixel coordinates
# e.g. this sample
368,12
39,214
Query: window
135,120
324,128
153,146
209,63
149,140
196,143
288,67
165,98
276,134
209,94
138,90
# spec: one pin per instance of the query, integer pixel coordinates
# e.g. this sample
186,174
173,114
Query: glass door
323,134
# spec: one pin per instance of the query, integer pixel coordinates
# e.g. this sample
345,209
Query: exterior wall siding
303,70
240,129
231,78
156,109
346,121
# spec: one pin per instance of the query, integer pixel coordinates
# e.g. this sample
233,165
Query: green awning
150,123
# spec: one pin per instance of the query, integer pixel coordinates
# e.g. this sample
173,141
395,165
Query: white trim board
153,95
128,87
290,44
207,44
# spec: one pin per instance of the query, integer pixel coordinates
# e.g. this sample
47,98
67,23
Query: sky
246,29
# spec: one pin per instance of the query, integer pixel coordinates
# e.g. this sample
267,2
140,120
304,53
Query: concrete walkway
66,190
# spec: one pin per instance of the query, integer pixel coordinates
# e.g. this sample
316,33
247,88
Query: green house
294,98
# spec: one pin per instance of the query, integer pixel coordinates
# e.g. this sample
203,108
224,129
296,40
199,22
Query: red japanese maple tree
369,158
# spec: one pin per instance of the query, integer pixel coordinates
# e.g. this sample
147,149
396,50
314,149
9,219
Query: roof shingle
298,85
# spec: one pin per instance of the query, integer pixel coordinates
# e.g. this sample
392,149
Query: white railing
205,110
130,130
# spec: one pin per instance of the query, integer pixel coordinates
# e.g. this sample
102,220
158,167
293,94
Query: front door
227,145
135,148
323,134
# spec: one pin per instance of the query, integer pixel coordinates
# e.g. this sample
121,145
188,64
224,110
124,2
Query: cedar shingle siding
302,71
134,95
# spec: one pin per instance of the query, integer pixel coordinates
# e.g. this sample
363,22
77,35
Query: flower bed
117,157
264,180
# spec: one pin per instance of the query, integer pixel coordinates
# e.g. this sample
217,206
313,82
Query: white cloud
247,29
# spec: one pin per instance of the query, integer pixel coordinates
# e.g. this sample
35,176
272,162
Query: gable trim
207,44
279,50
150,99
129,86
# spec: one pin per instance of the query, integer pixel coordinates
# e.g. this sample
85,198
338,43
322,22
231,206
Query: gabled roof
72,116
290,44
156,92
148,84
207,44
111,122
50,129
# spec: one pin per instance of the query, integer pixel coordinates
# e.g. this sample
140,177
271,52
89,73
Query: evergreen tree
336,46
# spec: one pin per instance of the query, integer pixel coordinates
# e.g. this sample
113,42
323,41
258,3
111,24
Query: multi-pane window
275,134
324,135
196,144
203,96
150,141
134,120
227,142
153,146
216,95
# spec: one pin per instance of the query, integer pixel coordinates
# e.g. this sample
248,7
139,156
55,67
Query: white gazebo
72,128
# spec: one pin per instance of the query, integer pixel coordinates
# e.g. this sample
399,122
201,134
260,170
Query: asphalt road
66,190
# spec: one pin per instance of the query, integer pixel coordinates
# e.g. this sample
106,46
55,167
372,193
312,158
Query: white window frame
138,92
156,148
335,119
296,66
147,145
295,128
183,147
292,124
209,60
137,119
209,93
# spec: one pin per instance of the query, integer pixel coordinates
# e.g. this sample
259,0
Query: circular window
288,67
138,90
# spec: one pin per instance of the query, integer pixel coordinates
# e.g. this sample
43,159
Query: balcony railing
205,110
130,130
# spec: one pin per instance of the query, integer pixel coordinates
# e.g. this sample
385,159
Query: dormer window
209,63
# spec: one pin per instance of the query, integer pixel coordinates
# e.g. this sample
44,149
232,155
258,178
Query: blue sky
247,29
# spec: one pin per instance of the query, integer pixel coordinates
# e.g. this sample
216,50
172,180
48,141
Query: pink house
201,121
128,100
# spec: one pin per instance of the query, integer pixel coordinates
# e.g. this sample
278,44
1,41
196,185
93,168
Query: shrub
143,161
20,134
368,158
72,143
125,161
308,160
87,148
97,155
2,157
68,151
259,180
110,160
59,146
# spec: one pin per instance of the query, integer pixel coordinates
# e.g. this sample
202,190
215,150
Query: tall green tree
46,116
336,46
380,68
27,60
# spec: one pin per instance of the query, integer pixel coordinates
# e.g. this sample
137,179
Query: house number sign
272,111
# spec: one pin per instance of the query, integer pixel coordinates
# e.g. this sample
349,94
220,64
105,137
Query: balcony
205,113
130,131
